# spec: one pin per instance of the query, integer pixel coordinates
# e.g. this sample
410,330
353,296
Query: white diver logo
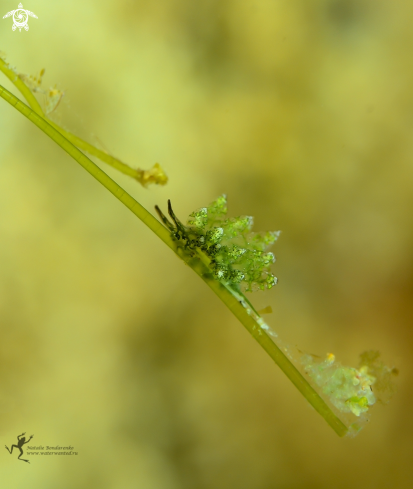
20,17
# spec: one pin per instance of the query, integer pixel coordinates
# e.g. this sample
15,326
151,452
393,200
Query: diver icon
20,442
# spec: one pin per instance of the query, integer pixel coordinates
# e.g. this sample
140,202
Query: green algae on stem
228,297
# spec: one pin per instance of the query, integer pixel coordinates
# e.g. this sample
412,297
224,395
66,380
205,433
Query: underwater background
301,112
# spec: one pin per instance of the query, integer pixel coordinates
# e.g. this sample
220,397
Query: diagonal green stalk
80,143
197,263
89,166
21,86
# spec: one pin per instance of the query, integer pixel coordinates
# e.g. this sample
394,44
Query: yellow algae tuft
154,175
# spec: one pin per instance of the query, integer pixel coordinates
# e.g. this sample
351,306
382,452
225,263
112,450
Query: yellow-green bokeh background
302,112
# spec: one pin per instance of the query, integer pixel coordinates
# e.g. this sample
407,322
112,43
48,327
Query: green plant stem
105,157
80,143
90,167
197,263
21,86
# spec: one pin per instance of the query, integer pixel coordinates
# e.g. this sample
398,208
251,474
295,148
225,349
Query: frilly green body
237,254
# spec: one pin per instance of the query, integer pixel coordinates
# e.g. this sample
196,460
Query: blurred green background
302,113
